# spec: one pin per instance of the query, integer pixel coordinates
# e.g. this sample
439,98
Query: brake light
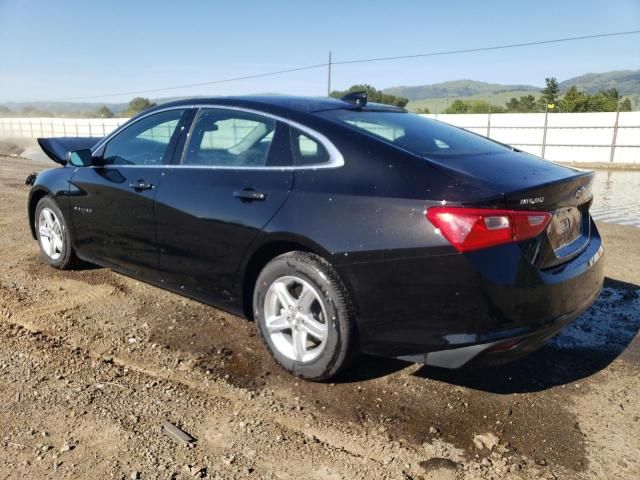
473,228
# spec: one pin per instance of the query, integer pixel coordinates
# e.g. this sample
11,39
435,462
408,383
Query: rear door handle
141,185
249,195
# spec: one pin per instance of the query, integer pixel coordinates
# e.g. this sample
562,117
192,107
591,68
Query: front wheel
53,235
303,315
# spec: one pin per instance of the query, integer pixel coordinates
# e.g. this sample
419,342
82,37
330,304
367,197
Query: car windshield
417,134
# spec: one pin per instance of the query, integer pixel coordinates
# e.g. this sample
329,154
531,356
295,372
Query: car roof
279,103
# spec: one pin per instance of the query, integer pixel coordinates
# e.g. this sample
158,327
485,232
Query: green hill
436,97
438,105
456,88
626,81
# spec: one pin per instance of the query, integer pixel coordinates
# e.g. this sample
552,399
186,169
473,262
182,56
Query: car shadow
369,367
84,266
580,350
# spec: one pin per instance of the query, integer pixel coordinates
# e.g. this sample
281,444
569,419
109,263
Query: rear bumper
451,310
504,348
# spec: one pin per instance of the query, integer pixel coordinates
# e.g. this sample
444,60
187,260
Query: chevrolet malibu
338,226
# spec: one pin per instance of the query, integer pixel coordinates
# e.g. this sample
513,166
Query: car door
233,177
111,202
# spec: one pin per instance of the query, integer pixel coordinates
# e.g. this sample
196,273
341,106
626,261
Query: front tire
304,316
53,235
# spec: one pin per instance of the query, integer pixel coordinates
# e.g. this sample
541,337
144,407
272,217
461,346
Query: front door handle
141,185
249,195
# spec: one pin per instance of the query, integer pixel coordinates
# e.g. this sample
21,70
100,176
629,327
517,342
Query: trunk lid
58,148
523,182
569,231
505,170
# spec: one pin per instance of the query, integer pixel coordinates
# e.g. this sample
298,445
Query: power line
363,60
486,49
177,87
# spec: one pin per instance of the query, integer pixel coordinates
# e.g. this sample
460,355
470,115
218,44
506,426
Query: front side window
229,138
145,142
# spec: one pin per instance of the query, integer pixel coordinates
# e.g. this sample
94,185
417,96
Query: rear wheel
53,235
304,316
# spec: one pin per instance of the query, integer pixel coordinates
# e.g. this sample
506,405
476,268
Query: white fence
596,137
601,137
58,127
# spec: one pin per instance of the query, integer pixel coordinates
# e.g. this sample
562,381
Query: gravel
79,399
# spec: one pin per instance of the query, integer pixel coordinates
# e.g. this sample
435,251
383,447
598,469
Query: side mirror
81,158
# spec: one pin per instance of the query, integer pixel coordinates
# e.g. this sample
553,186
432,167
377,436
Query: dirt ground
92,362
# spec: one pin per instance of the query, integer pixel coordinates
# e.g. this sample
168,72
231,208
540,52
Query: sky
64,49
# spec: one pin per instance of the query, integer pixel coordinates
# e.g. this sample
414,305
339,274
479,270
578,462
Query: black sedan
339,226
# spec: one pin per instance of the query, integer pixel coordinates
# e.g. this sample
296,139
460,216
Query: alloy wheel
295,319
50,233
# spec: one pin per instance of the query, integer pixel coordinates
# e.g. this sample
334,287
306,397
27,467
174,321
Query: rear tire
53,235
304,316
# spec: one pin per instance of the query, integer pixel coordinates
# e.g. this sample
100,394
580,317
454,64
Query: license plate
566,226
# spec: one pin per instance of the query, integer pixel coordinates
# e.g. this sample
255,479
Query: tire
56,249
320,319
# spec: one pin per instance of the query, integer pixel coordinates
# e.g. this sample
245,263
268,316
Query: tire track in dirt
292,425
388,396
103,438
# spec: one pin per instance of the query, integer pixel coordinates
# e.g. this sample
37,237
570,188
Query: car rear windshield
417,134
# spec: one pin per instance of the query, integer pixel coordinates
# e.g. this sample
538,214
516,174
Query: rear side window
307,150
419,135
229,138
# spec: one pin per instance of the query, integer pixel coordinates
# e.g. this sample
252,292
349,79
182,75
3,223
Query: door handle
249,195
141,185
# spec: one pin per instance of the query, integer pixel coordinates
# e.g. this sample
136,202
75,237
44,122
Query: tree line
373,95
551,100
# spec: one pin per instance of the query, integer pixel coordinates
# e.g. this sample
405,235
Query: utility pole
329,75
544,132
615,132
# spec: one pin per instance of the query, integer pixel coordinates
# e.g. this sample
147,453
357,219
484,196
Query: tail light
473,228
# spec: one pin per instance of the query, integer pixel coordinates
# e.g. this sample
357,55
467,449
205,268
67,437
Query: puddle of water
610,324
617,197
